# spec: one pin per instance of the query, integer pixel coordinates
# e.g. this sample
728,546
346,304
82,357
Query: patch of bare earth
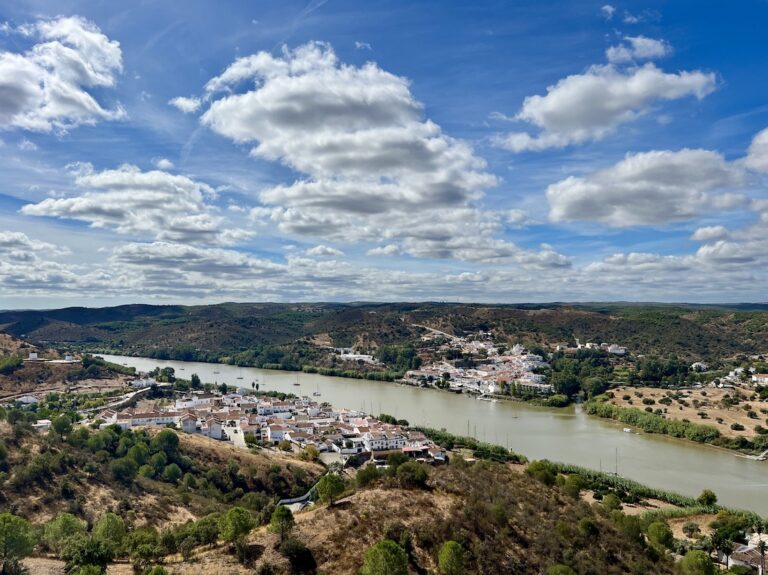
703,521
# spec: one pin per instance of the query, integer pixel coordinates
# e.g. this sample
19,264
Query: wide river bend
566,435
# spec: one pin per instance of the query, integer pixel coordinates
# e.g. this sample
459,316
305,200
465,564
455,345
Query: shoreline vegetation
680,429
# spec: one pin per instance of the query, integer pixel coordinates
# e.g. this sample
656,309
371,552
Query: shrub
367,475
412,475
707,498
385,558
660,533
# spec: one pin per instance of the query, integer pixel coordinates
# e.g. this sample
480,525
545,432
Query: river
566,435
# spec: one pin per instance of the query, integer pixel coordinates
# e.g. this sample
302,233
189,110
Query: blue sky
484,151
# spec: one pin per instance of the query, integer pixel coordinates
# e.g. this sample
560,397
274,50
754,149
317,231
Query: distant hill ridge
209,332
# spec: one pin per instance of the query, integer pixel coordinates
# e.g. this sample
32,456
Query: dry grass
709,401
703,521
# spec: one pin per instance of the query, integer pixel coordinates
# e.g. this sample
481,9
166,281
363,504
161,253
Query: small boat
239,377
215,372
627,430
296,384
316,393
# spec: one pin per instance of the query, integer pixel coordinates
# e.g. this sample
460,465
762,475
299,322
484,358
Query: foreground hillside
194,505
292,335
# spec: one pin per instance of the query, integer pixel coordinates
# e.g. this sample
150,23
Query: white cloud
608,11
757,156
324,251
387,250
636,48
362,46
186,105
47,87
591,105
652,188
163,164
154,203
710,233
27,146
517,218
374,169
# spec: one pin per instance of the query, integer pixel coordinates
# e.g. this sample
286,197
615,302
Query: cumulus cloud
163,164
652,188
710,233
636,48
154,203
48,87
373,168
591,105
757,156
186,105
324,251
388,250
608,11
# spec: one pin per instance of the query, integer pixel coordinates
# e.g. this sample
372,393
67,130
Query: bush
385,558
367,475
412,475
542,471
660,534
707,498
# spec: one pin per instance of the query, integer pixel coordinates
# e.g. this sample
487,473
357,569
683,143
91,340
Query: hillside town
293,424
496,370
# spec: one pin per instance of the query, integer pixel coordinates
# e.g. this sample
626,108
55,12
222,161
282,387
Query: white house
42,425
760,379
383,440
617,349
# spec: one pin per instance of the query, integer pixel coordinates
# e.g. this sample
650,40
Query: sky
331,150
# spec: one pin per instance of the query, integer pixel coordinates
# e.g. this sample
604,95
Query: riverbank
657,423
568,434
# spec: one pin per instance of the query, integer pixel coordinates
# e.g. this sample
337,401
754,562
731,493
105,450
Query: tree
195,382
281,522
707,498
451,558
697,563
16,539
60,528
660,533
385,558
172,473
83,551
110,529
62,425
166,441
235,524
124,470
330,487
